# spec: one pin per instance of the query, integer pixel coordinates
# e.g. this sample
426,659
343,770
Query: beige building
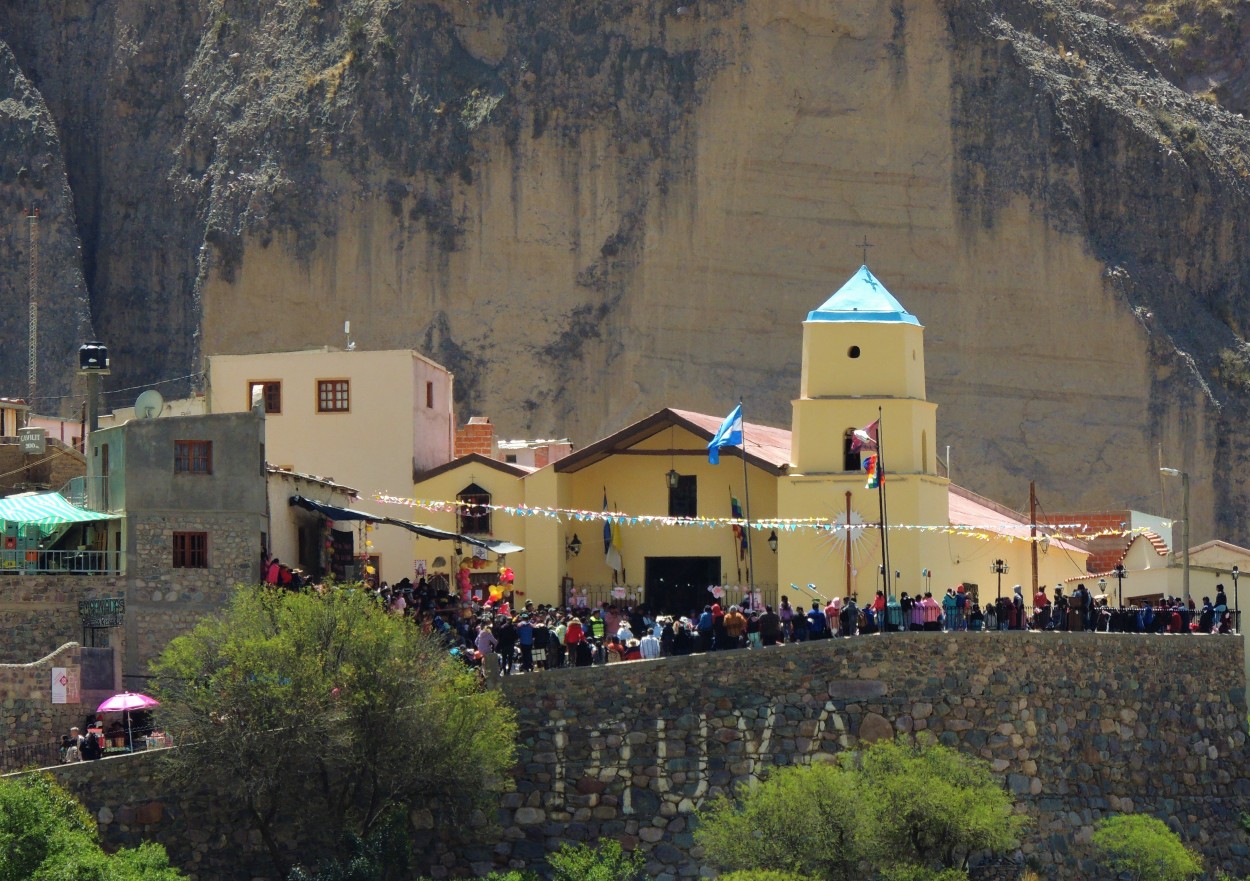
297,536
365,419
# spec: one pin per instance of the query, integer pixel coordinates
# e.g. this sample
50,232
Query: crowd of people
501,639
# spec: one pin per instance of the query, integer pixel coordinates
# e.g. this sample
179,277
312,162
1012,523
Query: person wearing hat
633,650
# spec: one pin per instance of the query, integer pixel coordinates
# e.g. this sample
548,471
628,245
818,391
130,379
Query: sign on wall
65,686
419,566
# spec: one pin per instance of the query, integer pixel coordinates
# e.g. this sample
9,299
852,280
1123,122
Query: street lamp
1001,568
1184,476
1236,602
772,540
1102,587
1120,575
573,548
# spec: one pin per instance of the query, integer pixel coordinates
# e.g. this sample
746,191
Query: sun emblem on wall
843,528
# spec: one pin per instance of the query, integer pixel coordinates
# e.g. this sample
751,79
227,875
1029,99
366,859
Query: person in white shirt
650,646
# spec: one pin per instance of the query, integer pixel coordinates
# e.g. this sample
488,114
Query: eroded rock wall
591,213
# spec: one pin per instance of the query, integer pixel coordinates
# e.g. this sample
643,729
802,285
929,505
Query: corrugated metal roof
863,298
966,508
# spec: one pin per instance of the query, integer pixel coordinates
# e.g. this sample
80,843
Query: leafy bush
607,862
800,819
764,875
1145,849
46,835
902,808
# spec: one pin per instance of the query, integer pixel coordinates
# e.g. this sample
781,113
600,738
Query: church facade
861,415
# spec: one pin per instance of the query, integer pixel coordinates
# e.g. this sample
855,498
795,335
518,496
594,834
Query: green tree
1145,849
46,835
607,862
319,714
905,809
764,875
928,804
799,819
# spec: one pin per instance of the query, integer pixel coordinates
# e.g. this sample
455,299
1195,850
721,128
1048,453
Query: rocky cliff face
589,212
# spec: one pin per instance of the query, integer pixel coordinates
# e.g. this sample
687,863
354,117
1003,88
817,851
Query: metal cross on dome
865,245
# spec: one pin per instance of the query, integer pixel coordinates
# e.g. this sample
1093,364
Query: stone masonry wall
27,714
1079,726
233,547
39,613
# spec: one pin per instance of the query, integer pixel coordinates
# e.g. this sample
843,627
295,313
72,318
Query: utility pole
1033,531
32,335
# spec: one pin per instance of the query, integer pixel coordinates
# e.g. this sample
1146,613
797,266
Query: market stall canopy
46,509
334,512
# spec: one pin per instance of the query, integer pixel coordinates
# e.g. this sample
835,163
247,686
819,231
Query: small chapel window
850,455
853,352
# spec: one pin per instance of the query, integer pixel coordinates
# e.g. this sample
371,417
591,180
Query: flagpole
736,542
746,493
885,527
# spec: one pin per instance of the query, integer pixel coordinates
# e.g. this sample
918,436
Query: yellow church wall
819,428
637,485
811,556
890,362
505,489
545,539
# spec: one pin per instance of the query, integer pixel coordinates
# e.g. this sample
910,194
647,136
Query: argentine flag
729,435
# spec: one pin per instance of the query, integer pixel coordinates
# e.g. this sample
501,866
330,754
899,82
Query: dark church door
679,585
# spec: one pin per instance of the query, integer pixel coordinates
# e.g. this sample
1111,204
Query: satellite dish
149,404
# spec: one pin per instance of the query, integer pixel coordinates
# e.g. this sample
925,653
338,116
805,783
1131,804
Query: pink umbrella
124,703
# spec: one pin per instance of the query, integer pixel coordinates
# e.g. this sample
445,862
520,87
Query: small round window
853,352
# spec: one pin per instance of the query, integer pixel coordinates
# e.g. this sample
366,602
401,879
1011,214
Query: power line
120,390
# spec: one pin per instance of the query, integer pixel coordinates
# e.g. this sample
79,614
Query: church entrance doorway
678,585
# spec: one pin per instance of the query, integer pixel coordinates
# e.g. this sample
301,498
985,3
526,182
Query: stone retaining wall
1080,726
27,714
39,613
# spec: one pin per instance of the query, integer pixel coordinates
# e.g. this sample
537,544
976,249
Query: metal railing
30,755
73,562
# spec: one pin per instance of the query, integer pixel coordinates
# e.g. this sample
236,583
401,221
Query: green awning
46,509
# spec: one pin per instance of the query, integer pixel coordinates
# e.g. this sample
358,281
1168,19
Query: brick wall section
475,437
1079,726
1105,551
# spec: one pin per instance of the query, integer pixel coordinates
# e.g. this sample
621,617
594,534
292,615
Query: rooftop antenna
347,332
32,335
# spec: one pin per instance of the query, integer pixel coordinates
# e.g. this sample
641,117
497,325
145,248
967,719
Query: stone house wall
39,613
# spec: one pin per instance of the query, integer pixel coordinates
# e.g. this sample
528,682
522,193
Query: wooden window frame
686,491
190,550
193,457
468,520
347,395
266,384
